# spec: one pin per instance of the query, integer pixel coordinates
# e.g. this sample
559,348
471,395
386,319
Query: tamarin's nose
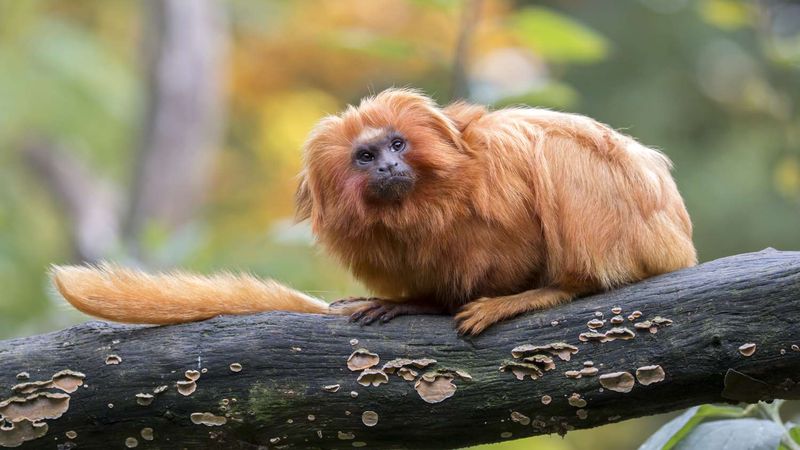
388,166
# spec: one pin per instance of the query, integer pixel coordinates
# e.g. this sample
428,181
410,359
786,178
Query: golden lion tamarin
458,210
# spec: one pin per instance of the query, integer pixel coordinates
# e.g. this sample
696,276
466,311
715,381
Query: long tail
132,296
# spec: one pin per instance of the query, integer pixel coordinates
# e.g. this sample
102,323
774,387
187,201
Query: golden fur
132,296
511,211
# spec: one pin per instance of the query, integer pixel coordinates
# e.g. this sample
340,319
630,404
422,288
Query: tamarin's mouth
392,188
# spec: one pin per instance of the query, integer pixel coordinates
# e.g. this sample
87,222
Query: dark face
381,155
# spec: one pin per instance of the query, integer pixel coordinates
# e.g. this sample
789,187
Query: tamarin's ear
303,201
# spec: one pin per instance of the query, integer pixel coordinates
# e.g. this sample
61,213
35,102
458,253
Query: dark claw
373,315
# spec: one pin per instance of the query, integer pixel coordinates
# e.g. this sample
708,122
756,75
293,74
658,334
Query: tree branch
279,396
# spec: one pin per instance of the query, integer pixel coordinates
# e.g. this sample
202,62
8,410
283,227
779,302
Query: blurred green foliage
707,81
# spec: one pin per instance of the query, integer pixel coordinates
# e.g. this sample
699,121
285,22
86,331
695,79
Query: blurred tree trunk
182,125
184,50
460,78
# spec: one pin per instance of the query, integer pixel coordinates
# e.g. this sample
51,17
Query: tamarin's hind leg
368,310
480,314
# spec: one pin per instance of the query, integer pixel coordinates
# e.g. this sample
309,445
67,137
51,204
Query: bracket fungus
35,407
17,433
522,369
144,399
619,333
617,381
576,400
435,387
362,359
595,324
147,434
369,418
113,360
649,374
331,387
561,349
520,418
192,375
546,399
66,380
374,377
186,387
235,367
208,419
747,349
407,374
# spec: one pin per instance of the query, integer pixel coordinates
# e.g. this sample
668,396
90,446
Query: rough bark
277,399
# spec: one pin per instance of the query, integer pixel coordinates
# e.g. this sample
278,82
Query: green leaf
794,433
735,434
371,44
557,38
674,431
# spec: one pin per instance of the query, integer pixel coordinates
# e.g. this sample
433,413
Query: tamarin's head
395,159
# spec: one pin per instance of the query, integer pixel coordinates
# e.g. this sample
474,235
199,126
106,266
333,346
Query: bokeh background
168,133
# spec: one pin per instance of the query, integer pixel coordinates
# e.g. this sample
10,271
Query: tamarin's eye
365,156
398,144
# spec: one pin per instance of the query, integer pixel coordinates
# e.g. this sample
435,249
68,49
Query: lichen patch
345,436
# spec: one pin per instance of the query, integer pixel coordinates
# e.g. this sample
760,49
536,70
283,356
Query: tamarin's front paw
475,317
